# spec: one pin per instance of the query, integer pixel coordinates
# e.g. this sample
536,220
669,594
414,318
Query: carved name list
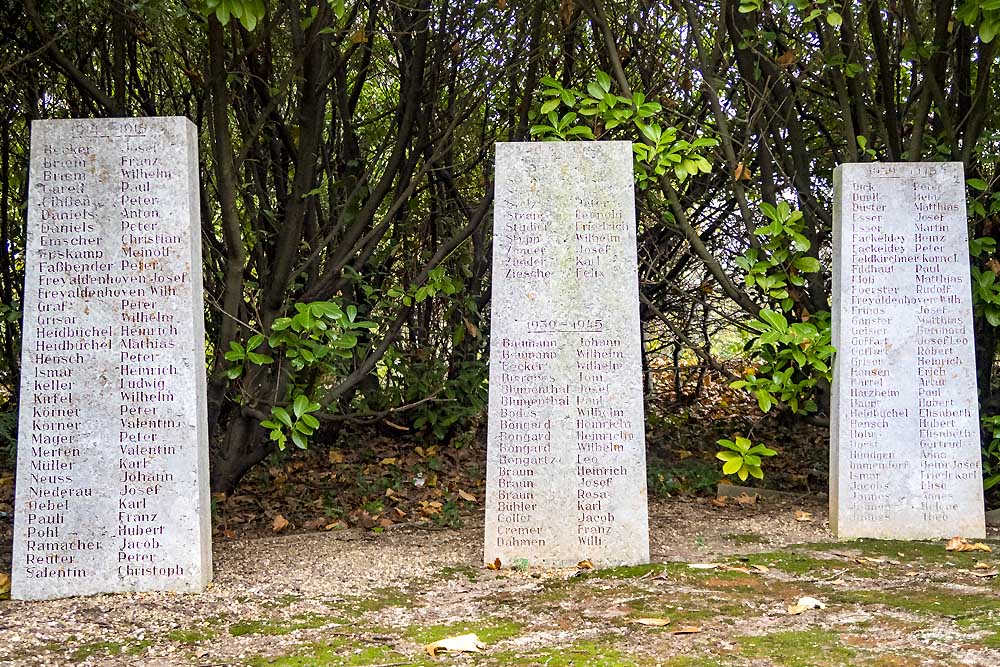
566,472
904,458
112,477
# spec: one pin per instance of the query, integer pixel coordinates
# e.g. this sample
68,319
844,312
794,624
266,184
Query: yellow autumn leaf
279,524
653,622
359,37
585,564
961,544
459,644
466,496
4,584
495,565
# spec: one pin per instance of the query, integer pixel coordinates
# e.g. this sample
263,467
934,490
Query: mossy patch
624,572
591,653
489,631
341,653
691,661
191,635
453,572
932,600
377,600
280,626
906,551
799,648
108,648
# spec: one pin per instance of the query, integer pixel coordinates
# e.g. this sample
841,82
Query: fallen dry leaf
805,604
495,565
466,496
686,630
459,644
761,568
652,622
961,544
980,565
279,524
4,584
315,524
585,564
744,499
719,502
801,515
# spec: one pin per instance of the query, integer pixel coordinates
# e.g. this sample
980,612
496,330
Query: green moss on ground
590,653
799,648
340,653
191,635
489,631
109,648
280,626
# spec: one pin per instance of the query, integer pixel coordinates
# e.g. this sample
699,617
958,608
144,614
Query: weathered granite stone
566,471
112,478
904,456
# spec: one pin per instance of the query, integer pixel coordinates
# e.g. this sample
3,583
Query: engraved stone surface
904,455
566,467
112,477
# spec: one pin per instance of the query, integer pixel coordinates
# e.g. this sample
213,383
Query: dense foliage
346,152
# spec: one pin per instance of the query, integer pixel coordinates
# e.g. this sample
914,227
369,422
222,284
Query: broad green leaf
282,415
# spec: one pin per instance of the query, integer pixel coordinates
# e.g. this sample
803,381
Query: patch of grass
377,600
457,571
924,551
798,648
591,653
792,562
280,626
281,601
488,631
931,600
191,635
691,661
85,651
624,572
341,653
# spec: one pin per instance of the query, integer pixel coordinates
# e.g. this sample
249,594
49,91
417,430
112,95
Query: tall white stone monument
905,454
566,468
112,475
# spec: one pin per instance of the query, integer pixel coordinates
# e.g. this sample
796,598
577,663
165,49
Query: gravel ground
353,597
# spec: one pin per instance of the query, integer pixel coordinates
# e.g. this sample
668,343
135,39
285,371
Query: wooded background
346,174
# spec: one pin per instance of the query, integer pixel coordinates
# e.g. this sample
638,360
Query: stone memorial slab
905,454
566,467
112,476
